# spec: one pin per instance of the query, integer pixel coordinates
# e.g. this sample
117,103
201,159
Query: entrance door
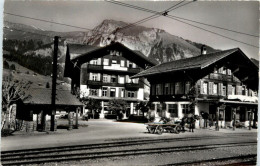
228,113
242,113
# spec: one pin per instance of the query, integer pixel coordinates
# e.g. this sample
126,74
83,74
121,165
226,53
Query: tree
12,91
93,105
118,106
12,67
143,106
6,65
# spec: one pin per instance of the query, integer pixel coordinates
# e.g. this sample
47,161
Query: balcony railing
95,67
134,70
124,69
132,86
93,83
222,77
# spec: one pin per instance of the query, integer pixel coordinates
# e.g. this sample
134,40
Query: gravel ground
104,131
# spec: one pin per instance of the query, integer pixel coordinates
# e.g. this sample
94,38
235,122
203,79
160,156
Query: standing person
205,117
191,121
183,121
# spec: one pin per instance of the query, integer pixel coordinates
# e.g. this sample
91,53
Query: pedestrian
183,121
191,121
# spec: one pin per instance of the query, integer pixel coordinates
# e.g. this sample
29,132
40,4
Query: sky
242,16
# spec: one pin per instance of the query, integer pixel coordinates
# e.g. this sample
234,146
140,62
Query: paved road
225,143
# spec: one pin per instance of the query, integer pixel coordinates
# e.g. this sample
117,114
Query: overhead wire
169,16
151,11
155,12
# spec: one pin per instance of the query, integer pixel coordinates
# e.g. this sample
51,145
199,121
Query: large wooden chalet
103,73
223,84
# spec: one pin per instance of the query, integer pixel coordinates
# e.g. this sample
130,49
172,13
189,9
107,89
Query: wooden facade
223,84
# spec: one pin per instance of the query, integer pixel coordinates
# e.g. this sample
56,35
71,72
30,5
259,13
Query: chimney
203,50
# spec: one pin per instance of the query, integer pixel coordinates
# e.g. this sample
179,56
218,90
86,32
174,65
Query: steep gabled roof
90,53
42,96
199,62
81,48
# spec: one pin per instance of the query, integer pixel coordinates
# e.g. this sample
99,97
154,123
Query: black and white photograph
129,82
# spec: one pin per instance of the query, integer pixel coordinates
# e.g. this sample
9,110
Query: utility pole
54,78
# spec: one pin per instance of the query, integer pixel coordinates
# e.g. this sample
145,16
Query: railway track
72,154
105,145
244,160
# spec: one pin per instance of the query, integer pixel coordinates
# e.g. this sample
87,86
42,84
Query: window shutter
119,92
135,94
108,91
90,76
201,87
220,89
99,61
239,90
210,88
127,63
127,78
229,89
99,77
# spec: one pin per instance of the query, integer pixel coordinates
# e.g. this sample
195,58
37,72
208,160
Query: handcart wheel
159,130
177,129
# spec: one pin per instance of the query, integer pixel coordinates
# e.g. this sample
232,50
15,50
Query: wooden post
217,119
77,123
54,78
234,118
224,118
255,117
250,119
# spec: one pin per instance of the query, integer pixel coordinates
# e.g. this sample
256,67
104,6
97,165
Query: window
130,65
224,90
131,94
167,89
113,79
94,76
104,91
105,78
93,92
220,70
187,87
121,80
233,90
105,63
205,88
112,92
158,89
173,110
94,62
224,70
122,63
114,61
185,108
229,72
153,89
178,88
215,89
122,93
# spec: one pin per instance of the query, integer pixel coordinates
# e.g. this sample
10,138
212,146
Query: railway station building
103,73
224,85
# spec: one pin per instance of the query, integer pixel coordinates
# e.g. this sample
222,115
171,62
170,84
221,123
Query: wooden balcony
134,70
131,86
95,67
222,77
94,84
